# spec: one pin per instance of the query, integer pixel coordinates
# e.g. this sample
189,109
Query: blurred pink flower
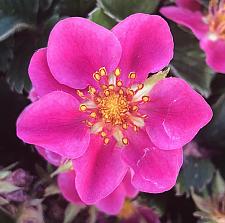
114,123
208,27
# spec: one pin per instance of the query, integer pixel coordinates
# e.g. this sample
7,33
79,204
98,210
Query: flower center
216,18
113,108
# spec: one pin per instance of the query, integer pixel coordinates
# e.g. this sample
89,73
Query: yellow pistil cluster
112,107
216,18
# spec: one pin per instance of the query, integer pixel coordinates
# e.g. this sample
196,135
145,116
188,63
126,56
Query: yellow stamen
135,108
92,90
103,134
102,71
107,93
93,115
106,141
83,107
119,83
145,98
111,87
117,72
80,93
132,75
125,141
97,76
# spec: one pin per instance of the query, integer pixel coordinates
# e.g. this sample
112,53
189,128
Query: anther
111,87
136,128
89,124
132,75
103,86
117,72
135,108
103,134
93,115
140,86
83,107
145,98
97,76
91,90
125,126
119,83
121,92
130,91
102,71
106,141
125,141
80,93
97,100
107,93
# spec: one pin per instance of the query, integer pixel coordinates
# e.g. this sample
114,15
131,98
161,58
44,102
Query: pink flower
208,27
111,204
96,107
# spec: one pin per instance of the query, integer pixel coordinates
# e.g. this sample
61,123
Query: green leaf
121,9
6,55
17,15
76,7
17,75
98,16
196,174
189,62
214,133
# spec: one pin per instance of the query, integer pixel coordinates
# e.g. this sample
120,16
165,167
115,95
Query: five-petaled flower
97,108
207,25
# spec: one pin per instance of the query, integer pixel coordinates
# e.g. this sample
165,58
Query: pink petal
41,77
55,123
147,44
190,19
155,170
77,48
66,183
175,113
113,203
215,56
130,190
53,158
99,171
192,5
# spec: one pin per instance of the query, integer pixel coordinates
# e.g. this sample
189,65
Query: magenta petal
41,77
147,44
187,18
175,113
77,48
215,54
55,123
113,203
66,183
53,158
192,5
99,171
130,190
155,170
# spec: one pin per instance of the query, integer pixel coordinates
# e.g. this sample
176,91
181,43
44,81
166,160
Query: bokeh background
24,27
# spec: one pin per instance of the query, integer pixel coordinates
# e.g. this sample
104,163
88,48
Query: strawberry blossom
97,107
207,25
